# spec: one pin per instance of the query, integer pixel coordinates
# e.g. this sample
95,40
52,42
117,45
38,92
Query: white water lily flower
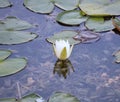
62,49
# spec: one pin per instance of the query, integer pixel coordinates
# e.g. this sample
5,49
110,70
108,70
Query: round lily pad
73,17
11,66
39,6
4,54
4,3
100,7
64,35
16,37
67,4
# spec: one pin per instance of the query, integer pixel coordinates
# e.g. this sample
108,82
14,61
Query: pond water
92,74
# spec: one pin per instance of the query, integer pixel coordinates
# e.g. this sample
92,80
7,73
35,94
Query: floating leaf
98,24
4,54
16,37
67,4
11,66
64,35
62,97
39,6
28,98
4,3
100,7
117,55
73,17
13,23
87,36
116,23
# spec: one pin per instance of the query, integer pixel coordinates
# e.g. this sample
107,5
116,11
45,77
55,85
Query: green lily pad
64,35
11,66
13,23
16,37
117,56
28,98
4,3
62,97
100,7
39,6
67,4
4,54
73,17
98,24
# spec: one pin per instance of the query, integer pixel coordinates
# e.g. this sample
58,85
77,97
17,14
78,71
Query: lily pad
11,66
86,36
16,37
117,55
116,23
28,98
100,7
39,6
64,35
4,54
67,4
73,17
62,97
98,24
4,3
13,23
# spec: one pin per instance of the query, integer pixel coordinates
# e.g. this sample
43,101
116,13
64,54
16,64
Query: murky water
91,75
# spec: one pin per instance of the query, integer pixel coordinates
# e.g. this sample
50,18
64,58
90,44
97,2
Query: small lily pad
64,35
67,4
16,37
4,3
11,66
13,23
117,55
4,54
116,23
73,17
39,6
62,97
98,24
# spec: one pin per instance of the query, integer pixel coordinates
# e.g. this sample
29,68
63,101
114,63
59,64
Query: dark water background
96,77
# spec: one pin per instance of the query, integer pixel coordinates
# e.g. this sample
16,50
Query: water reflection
63,68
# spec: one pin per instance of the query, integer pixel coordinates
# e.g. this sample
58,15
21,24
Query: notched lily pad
98,24
5,3
12,23
39,6
64,35
117,56
116,23
67,4
4,54
74,17
87,36
62,97
16,37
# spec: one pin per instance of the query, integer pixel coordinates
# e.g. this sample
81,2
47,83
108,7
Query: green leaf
73,17
11,66
39,6
4,54
16,37
63,54
67,4
4,3
98,24
28,98
117,56
13,23
64,35
100,7
62,97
